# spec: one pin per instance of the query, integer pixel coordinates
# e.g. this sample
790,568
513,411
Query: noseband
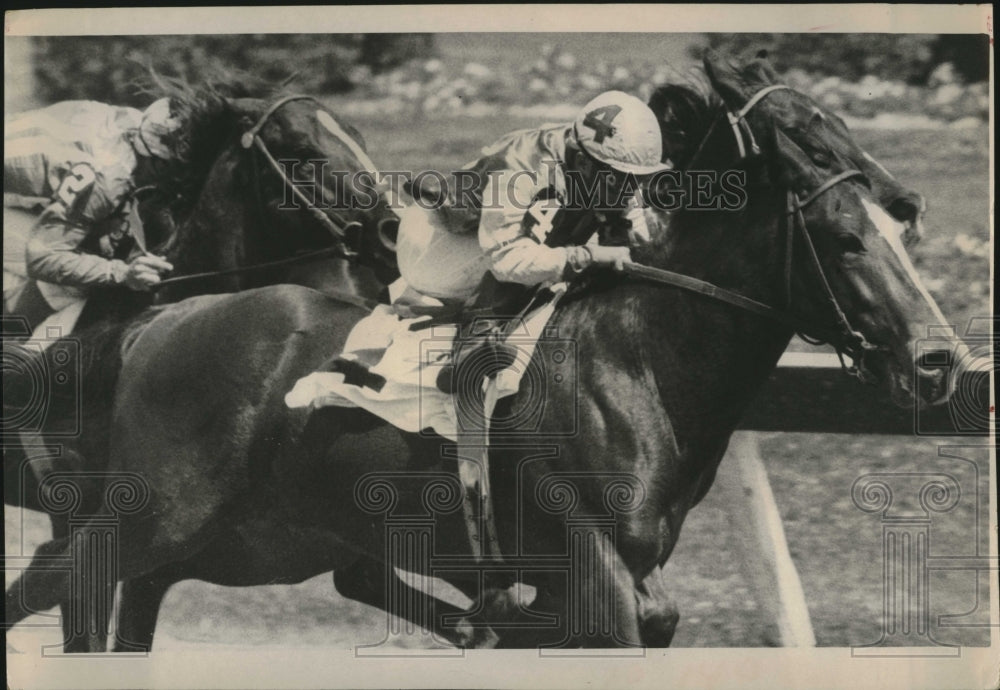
842,336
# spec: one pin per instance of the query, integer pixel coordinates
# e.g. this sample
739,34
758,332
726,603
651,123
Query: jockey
70,174
536,196
535,199
543,193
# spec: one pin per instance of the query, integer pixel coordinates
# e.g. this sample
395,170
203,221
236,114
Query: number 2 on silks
600,120
79,178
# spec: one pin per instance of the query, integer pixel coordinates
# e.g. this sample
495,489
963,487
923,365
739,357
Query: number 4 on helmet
621,131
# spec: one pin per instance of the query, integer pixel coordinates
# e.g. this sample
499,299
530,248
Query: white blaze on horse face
348,141
892,231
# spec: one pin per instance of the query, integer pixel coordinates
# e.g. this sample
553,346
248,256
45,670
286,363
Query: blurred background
940,76
918,103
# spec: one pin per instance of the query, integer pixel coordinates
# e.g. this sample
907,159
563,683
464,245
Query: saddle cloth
409,362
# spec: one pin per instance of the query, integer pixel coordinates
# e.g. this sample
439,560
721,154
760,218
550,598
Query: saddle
478,351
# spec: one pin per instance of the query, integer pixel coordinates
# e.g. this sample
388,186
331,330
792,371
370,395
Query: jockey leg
24,309
476,355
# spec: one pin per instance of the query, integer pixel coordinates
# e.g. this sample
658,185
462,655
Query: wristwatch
578,258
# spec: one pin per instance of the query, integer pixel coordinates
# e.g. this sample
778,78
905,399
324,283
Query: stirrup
487,361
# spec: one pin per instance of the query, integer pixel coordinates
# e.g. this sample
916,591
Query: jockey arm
53,254
56,251
516,254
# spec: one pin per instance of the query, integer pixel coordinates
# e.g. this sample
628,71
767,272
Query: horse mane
686,108
209,125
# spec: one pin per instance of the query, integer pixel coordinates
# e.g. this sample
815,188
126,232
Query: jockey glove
608,256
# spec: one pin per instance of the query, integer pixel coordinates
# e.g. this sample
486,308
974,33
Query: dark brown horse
221,212
590,499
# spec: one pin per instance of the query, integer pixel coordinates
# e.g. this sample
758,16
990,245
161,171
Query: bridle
842,336
346,233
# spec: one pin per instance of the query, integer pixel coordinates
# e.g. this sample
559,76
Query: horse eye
850,243
821,158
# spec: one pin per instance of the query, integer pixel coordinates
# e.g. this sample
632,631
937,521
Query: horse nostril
905,210
932,371
388,232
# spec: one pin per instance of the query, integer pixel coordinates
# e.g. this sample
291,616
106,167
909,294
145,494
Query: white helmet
621,131
157,123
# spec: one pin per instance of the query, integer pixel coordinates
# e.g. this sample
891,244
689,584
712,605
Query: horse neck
705,359
214,237
727,352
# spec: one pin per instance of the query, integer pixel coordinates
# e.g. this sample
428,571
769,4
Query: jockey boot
473,361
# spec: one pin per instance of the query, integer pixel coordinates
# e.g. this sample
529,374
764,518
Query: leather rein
344,232
842,336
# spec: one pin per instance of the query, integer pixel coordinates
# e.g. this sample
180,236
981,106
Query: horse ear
796,170
726,79
763,71
680,110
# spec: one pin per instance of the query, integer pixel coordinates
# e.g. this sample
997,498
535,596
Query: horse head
680,109
843,265
276,178
331,157
905,205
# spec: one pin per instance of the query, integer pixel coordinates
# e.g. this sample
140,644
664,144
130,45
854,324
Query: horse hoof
473,636
657,631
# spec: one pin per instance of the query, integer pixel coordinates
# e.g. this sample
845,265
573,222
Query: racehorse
241,225
243,491
243,222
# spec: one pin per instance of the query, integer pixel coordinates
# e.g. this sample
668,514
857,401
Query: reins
325,253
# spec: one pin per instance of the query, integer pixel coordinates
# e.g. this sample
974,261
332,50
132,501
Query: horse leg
74,573
139,608
42,586
657,611
370,581
94,638
595,605
46,583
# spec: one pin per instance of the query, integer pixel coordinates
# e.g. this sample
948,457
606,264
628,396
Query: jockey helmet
156,125
621,131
